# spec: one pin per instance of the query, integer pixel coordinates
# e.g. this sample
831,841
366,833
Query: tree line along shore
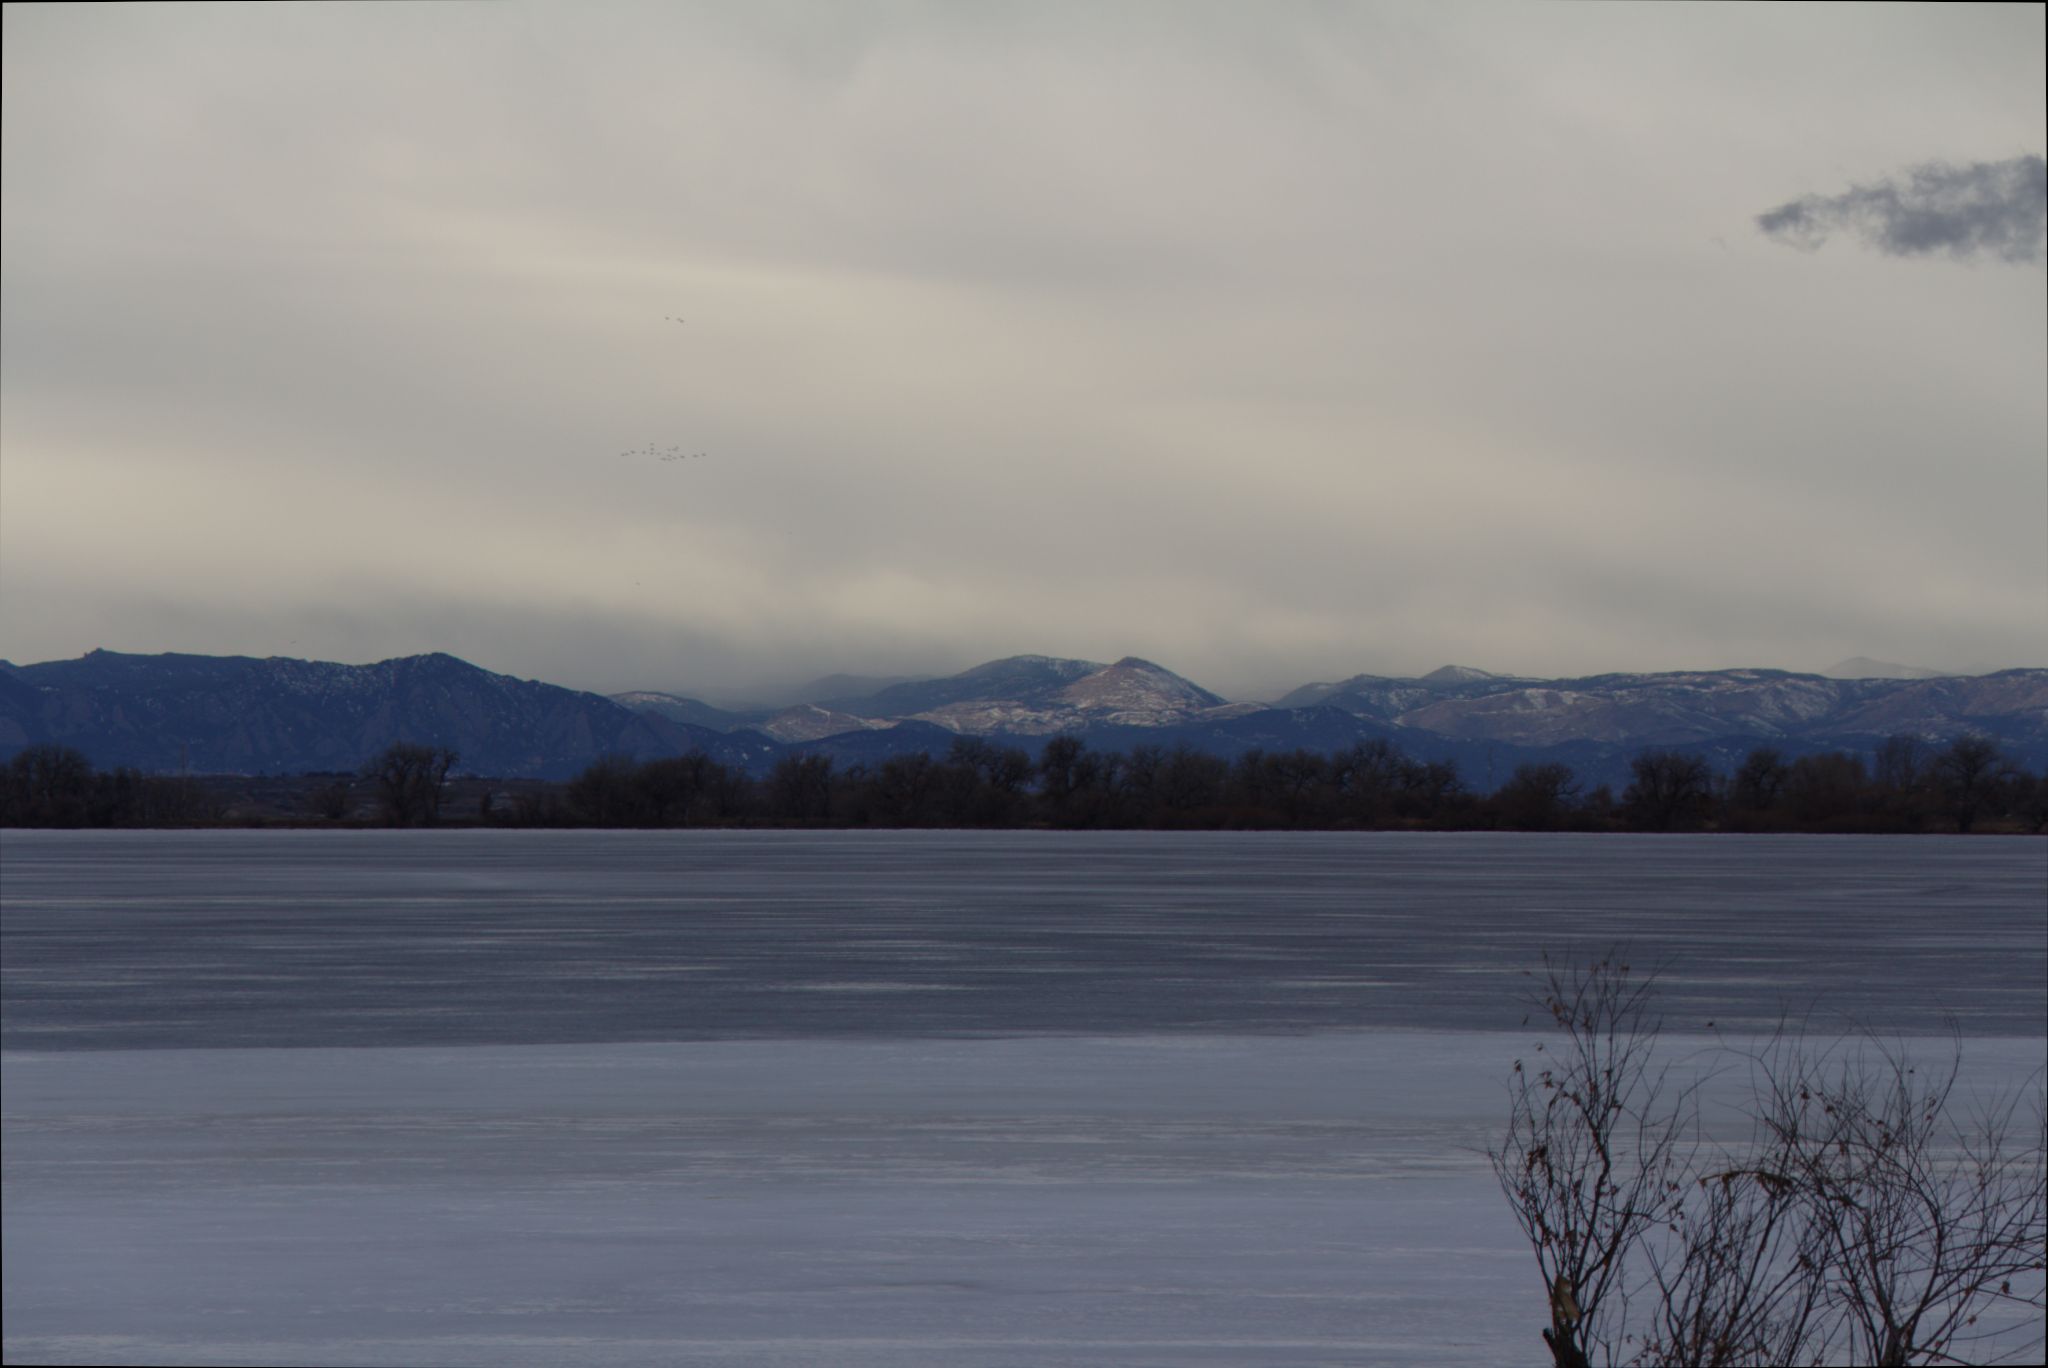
1908,786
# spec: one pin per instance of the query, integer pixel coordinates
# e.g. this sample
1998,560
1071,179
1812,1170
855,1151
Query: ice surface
1067,1200
1057,1200
155,939
910,1099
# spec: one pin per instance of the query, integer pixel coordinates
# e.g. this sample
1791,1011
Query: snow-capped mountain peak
1133,689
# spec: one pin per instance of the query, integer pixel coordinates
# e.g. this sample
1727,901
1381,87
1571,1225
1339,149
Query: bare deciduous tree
1919,1222
1595,1152
1967,773
1864,1220
1538,797
409,779
1670,789
330,800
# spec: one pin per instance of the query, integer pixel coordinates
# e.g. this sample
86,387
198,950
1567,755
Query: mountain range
239,714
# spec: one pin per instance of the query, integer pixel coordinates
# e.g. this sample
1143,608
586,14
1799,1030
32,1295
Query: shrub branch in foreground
1867,1218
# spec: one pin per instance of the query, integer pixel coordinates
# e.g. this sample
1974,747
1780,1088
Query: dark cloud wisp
1983,208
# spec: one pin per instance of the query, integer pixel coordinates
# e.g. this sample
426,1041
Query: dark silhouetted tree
1191,783
1967,774
1900,763
605,794
1538,797
907,789
800,788
1076,786
1670,790
409,779
1430,791
1759,782
983,784
1366,776
1825,790
46,786
1058,769
2030,800
330,800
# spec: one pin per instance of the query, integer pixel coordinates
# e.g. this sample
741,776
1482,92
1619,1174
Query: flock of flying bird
674,453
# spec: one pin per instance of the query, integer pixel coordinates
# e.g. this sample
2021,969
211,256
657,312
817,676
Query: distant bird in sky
671,453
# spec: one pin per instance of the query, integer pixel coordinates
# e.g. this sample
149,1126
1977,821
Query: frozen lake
151,940
868,1098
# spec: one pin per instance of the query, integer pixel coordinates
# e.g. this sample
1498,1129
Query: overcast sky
1272,342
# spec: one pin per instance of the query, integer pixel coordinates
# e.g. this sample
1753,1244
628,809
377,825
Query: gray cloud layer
1268,342
1997,209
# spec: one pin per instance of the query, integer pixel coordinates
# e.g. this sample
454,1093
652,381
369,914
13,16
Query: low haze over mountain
1863,667
243,715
